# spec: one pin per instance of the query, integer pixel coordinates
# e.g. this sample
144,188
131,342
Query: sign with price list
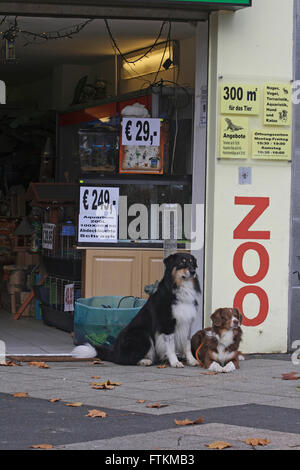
98,215
48,236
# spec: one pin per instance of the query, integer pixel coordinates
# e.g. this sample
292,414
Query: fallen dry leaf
290,376
96,414
162,366
108,385
54,400
257,442
96,386
95,377
75,404
21,394
10,364
156,405
186,422
141,401
41,365
42,446
209,372
218,445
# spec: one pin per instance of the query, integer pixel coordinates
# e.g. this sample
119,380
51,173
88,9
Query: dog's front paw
176,364
229,367
215,367
145,362
192,362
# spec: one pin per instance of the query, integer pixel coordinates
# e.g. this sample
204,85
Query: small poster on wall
48,236
271,144
69,298
277,104
255,120
234,137
142,145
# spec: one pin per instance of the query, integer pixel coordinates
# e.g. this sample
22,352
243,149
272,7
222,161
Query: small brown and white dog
217,348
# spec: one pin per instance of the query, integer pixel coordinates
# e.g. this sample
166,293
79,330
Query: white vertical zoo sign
2,352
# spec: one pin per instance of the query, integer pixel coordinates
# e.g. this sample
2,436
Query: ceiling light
162,57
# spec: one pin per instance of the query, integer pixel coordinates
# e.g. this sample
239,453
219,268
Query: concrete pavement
253,402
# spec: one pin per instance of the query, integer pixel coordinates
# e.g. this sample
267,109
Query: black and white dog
162,329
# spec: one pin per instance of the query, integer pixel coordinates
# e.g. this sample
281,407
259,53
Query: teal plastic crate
99,320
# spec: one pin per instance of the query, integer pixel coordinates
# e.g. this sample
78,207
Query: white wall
252,45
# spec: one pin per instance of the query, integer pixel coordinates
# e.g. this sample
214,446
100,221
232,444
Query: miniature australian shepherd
162,329
217,348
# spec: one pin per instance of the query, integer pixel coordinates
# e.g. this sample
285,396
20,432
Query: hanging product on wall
143,145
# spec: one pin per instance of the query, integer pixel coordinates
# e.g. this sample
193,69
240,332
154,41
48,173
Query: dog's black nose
192,271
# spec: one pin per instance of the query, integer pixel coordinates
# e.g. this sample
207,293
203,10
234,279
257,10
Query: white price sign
47,236
69,298
141,131
98,214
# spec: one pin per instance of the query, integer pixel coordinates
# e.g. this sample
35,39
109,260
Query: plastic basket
99,320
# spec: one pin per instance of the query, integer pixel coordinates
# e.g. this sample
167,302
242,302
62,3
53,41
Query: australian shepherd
217,348
162,329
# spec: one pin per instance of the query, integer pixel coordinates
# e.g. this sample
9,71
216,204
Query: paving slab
254,398
193,438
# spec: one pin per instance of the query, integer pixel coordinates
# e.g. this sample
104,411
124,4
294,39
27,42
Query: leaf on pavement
96,414
162,366
75,404
41,365
141,401
54,400
186,422
108,385
9,364
290,376
219,445
42,446
21,394
257,442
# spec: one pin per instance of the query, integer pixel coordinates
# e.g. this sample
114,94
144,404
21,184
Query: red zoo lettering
238,262
242,232
264,304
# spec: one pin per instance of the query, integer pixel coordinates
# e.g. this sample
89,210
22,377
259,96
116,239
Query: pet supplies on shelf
98,147
57,297
59,202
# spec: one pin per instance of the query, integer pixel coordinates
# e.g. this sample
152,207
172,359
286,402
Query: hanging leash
197,355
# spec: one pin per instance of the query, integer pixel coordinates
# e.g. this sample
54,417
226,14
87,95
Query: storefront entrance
73,78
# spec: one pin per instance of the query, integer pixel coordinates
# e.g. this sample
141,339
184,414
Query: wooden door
113,272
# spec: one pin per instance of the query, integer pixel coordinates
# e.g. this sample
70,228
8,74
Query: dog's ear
169,260
238,313
216,317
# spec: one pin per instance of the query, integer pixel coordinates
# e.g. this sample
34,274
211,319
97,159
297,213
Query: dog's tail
86,351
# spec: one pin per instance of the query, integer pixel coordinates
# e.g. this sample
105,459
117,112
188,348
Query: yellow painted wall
256,45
